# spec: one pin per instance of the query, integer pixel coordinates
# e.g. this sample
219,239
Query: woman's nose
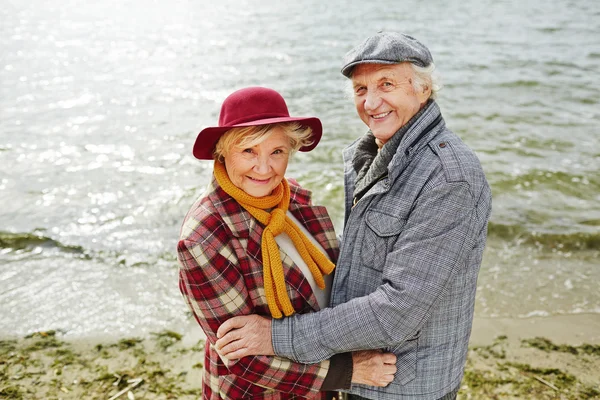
262,165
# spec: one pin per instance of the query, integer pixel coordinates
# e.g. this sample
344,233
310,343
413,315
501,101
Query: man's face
385,98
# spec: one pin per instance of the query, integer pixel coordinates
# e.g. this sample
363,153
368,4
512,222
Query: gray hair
424,77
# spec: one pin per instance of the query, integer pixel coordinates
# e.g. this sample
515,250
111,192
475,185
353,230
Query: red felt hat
252,106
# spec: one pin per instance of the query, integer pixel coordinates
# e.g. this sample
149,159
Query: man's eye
360,90
387,84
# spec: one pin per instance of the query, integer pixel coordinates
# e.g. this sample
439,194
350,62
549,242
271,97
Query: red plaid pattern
221,277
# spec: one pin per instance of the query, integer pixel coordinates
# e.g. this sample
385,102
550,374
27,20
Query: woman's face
258,170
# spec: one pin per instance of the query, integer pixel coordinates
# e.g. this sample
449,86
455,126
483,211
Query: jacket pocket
406,363
380,235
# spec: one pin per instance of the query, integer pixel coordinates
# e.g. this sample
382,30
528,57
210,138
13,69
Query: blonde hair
249,136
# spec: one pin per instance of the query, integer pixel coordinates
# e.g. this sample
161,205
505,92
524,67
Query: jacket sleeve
215,291
436,240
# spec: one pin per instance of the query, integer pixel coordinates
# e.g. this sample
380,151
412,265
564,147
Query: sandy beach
539,358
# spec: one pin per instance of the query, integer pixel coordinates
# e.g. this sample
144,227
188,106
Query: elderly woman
254,244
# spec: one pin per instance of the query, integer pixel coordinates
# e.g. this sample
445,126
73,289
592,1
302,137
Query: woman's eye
278,151
247,151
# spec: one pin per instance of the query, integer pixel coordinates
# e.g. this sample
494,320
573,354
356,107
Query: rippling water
101,102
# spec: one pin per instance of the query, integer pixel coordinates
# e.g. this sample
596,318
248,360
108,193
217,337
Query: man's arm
435,241
215,292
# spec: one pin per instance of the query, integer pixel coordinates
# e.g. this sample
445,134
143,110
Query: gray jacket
407,273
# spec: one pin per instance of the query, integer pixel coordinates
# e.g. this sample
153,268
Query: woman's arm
215,291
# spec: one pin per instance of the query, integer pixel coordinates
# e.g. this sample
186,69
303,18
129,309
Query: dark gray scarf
371,165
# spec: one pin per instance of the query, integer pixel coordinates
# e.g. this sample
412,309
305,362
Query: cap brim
347,69
207,139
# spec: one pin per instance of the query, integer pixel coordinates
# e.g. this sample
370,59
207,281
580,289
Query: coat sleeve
436,240
215,291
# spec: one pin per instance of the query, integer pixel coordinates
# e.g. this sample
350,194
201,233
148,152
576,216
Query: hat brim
347,69
207,139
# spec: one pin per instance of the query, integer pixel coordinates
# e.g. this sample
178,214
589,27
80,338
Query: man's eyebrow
379,80
386,78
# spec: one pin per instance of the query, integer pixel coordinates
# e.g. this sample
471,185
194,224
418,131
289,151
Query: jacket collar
420,130
372,165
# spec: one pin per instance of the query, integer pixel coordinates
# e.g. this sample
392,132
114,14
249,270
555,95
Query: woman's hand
372,367
248,335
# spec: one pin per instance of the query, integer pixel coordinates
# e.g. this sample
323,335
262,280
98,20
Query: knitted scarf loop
276,221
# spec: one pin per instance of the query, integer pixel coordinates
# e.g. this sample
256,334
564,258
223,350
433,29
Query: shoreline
536,358
573,329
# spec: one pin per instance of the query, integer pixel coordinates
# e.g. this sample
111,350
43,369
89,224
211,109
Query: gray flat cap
387,48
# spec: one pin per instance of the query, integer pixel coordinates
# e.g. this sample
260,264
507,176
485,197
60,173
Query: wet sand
572,329
538,358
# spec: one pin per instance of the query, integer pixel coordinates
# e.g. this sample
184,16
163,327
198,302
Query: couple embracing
289,311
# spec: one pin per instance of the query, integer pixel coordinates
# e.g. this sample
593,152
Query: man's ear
424,94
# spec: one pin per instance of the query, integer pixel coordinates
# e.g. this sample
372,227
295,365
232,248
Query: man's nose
372,100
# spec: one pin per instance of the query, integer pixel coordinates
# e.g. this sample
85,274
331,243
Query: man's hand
372,367
243,336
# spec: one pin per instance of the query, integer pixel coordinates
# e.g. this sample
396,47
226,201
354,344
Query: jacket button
442,145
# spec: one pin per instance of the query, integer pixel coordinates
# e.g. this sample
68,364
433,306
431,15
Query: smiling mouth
258,180
382,115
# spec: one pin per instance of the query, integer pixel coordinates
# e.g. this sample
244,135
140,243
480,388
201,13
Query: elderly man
417,207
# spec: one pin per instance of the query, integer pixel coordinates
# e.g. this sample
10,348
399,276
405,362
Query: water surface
100,104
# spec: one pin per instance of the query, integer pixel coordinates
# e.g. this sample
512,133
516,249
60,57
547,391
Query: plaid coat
219,252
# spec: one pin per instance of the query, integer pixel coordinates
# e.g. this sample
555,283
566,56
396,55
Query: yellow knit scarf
276,222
